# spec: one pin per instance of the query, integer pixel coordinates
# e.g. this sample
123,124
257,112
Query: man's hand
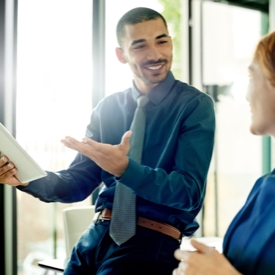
111,158
205,261
7,172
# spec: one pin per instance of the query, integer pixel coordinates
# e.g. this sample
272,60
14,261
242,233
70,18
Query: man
169,183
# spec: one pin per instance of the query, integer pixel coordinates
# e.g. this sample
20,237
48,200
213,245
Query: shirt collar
158,93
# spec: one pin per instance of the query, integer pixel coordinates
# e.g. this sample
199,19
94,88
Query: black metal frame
8,232
98,87
260,5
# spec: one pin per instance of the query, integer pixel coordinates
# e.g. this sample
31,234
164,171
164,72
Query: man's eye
139,47
163,41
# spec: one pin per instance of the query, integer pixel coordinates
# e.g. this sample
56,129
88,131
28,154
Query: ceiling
261,5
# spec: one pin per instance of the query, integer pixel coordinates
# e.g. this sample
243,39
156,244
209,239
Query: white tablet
28,169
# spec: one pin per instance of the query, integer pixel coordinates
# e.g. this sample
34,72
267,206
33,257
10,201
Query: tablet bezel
28,168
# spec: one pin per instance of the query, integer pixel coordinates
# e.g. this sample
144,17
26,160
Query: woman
249,243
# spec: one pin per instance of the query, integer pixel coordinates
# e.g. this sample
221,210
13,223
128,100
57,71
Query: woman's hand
205,261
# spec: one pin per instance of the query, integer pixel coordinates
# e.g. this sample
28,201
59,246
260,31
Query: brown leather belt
163,228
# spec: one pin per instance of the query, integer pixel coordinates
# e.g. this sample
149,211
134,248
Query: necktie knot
142,101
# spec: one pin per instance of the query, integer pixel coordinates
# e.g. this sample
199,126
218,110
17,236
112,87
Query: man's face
147,48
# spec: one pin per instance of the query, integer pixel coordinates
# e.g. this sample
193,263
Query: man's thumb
125,140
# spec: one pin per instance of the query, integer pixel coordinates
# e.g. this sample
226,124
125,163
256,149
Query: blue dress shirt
170,182
249,243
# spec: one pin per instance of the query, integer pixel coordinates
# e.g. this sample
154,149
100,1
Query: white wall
271,15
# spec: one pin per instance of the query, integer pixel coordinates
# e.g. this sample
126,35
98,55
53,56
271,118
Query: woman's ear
120,55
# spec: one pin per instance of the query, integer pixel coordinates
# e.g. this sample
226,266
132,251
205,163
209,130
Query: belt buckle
98,217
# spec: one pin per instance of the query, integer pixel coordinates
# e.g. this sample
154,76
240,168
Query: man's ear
120,55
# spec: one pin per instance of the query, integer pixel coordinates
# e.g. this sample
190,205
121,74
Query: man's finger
89,141
72,143
69,140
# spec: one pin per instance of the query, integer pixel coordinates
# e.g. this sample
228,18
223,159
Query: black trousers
148,252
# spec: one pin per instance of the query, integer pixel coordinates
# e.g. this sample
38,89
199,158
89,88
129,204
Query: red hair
265,56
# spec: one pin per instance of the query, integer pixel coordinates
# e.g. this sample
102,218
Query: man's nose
153,53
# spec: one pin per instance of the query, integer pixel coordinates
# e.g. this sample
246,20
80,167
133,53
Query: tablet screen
28,169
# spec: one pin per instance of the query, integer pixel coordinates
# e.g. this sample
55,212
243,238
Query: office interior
57,60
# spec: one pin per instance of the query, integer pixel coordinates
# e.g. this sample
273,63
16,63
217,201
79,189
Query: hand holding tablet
28,169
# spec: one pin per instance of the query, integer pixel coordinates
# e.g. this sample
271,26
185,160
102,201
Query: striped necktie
123,222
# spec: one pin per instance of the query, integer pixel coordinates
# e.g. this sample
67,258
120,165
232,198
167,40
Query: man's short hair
135,16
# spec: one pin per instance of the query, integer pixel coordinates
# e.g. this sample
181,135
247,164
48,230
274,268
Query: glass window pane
54,100
228,45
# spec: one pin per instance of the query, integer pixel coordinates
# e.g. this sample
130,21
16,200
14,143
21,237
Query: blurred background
58,60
